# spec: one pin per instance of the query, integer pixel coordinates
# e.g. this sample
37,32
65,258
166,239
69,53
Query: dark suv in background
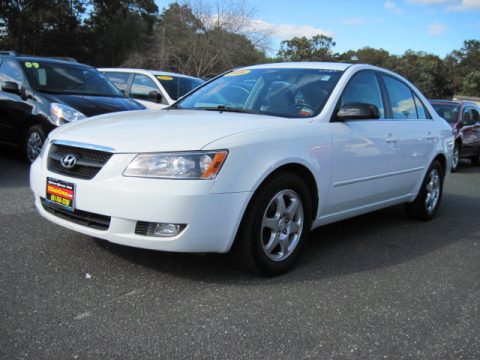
37,94
464,118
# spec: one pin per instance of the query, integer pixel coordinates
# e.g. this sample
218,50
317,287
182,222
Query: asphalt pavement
379,286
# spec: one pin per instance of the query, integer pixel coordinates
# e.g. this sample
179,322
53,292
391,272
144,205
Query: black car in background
464,118
38,94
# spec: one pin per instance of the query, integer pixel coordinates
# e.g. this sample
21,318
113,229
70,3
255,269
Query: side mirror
155,96
11,87
357,111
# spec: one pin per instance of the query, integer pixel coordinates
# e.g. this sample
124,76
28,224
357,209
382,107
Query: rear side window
176,87
401,99
364,88
119,79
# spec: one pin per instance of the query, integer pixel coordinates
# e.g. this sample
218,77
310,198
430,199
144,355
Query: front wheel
275,226
34,140
428,199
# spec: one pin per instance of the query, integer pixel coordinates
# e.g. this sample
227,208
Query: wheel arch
442,159
296,168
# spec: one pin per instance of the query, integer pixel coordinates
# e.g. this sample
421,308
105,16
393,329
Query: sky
434,26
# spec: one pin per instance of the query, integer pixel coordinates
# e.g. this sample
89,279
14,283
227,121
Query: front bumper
212,219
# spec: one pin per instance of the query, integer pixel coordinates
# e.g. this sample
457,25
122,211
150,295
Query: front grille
89,162
85,218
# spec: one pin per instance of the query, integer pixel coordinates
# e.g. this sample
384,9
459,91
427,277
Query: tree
316,48
368,55
462,62
426,71
116,28
201,39
42,27
471,84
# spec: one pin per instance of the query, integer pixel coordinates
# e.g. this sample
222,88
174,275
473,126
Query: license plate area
61,193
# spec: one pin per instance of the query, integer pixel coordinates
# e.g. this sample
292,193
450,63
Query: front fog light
159,229
166,230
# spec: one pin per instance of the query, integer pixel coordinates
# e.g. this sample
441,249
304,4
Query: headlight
181,165
60,114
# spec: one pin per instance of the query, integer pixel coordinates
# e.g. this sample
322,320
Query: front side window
475,115
62,78
292,93
141,86
119,79
10,71
401,99
364,88
177,86
467,116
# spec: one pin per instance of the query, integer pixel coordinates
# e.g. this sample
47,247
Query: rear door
415,134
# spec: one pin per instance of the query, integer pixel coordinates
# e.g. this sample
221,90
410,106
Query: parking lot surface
376,286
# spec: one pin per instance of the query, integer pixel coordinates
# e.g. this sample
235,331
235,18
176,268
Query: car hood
95,105
163,130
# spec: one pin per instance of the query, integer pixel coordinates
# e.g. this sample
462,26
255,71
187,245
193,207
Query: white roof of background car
302,65
146,72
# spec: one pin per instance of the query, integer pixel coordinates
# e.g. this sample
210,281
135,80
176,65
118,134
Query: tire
34,139
271,238
429,197
456,157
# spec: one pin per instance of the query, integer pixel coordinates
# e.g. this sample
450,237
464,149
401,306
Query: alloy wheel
34,145
433,191
456,157
282,225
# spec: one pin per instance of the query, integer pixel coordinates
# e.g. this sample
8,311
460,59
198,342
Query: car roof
452,102
43,59
302,65
152,72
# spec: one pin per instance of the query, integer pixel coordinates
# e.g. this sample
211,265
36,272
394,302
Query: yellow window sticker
28,64
164,77
238,73
35,65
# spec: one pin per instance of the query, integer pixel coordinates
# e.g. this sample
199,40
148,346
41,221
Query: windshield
176,87
294,93
447,111
68,79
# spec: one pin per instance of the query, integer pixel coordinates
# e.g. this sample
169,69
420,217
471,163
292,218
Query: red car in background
464,118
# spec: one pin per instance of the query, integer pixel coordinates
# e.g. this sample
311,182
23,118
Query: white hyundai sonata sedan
249,163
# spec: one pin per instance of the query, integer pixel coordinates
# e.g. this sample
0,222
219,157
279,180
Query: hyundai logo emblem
68,161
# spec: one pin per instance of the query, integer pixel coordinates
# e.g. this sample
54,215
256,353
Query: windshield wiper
225,108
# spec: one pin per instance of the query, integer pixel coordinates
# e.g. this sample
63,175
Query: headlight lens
61,113
182,165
